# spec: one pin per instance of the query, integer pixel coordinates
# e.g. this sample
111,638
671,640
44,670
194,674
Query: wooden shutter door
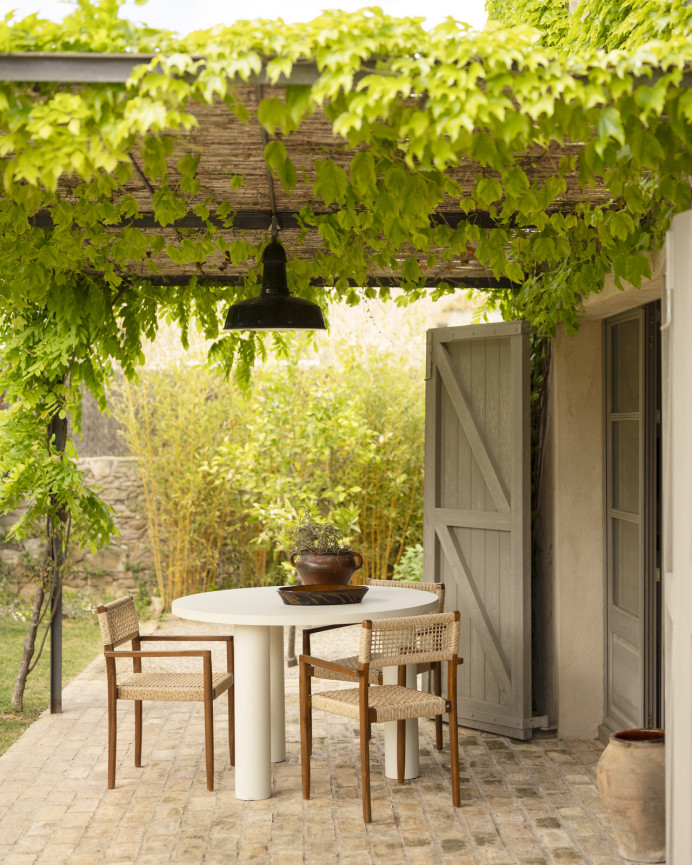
477,513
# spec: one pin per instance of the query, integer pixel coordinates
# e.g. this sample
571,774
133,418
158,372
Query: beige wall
569,590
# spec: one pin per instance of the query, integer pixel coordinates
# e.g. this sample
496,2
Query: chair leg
308,695
400,750
231,725
305,711
454,760
454,737
209,739
437,680
138,733
112,737
365,768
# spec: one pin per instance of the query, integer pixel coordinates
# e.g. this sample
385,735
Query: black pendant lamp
275,308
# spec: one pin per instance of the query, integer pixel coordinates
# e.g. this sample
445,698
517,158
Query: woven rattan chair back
436,588
411,640
119,622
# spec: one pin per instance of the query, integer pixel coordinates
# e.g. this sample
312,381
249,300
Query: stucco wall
569,586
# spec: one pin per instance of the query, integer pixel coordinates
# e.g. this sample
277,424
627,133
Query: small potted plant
318,556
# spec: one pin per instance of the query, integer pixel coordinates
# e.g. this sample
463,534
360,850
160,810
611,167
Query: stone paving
523,803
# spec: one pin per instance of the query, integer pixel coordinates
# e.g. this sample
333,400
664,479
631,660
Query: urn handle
294,555
360,563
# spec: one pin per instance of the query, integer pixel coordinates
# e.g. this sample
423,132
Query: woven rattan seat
386,702
171,686
119,624
399,642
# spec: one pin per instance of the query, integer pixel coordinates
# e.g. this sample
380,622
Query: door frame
649,469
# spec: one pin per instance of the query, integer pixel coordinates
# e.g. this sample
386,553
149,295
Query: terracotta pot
631,781
326,568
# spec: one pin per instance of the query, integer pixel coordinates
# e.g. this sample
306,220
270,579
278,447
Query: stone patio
523,803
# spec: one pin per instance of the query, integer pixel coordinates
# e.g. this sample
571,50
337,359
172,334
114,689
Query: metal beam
70,67
483,283
75,67
261,220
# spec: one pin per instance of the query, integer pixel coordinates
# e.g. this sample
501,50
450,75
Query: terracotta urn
326,568
631,781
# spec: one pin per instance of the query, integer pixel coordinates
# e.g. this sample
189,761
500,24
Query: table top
262,605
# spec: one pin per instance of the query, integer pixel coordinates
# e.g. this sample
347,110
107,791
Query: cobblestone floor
523,803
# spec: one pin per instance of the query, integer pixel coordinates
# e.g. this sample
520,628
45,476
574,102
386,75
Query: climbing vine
411,108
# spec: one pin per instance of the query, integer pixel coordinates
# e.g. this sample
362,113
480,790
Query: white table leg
252,712
411,769
277,694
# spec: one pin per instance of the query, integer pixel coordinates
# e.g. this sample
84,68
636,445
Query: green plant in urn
318,556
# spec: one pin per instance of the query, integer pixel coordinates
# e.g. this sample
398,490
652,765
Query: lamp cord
270,179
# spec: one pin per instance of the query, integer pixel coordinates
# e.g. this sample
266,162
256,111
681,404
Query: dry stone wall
128,560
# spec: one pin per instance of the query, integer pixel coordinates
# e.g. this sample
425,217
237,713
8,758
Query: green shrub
78,604
410,565
225,476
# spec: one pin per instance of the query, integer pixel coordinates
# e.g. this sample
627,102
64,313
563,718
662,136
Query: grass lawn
81,644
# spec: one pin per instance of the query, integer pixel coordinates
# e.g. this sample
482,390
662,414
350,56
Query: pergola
229,147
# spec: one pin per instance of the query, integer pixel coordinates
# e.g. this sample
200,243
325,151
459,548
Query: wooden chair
390,642
375,672
119,624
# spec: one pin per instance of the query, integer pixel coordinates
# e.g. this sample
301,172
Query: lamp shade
275,308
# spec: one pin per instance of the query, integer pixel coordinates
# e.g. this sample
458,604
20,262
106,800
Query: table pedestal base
253,778
277,694
260,726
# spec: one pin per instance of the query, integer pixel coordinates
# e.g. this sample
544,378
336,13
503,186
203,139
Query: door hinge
539,722
428,358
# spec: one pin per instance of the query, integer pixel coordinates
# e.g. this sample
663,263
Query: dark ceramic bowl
321,595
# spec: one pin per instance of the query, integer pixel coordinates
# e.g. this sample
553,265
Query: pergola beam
481,283
74,67
260,219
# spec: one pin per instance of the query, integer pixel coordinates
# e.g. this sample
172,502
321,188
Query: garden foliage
226,477
408,105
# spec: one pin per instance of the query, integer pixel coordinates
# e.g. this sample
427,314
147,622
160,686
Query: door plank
471,519
468,423
475,607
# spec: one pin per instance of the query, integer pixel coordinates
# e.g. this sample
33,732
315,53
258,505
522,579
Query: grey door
477,513
632,689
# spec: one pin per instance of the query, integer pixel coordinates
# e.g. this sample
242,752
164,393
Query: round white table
259,616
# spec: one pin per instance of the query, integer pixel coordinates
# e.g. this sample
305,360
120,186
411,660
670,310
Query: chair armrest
222,638
191,639
308,660
308,631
